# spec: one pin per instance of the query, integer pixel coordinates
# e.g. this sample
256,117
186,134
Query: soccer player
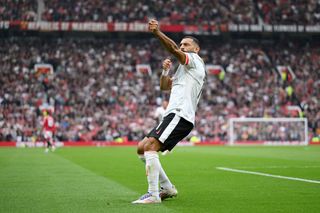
185,91
48,129
158,115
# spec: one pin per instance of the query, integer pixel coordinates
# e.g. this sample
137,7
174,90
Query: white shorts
47,135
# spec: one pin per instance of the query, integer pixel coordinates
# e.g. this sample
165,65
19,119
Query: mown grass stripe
32,181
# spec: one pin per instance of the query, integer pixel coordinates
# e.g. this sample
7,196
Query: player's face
165,104
187,45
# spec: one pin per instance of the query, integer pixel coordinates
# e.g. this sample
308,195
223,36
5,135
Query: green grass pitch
92,179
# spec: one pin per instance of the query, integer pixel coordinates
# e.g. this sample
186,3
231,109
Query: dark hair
195,40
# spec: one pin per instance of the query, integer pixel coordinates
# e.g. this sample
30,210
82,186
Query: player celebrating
186,87
48,129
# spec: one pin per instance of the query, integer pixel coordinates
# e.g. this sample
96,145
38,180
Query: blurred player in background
48,130
158,115
179,117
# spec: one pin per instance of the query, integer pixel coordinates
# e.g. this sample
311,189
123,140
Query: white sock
142,158
163,178
152,170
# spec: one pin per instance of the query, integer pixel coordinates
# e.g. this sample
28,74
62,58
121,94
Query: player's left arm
165,80
165,83
169,44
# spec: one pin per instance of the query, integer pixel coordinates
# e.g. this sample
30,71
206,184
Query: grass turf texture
108,179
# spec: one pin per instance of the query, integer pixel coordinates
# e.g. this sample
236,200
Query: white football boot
147,199
168,193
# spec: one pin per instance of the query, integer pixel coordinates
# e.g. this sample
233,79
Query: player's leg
165,182
53,148
166,125
164,137
46,141
47,145
177,130
151,146
153,165
48,135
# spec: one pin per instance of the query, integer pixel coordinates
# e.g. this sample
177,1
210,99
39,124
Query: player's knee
152,145
140,148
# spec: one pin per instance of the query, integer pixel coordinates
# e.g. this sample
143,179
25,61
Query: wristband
165,72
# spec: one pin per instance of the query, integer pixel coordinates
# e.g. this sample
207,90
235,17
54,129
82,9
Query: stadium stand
99,95
192,12
289,12
98,92
174,12
25,10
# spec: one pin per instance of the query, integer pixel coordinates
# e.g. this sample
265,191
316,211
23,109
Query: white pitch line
277,167
267,175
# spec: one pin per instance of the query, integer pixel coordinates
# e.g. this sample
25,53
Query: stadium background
100,94
104,86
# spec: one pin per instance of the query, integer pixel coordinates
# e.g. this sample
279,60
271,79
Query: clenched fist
153,25
166,64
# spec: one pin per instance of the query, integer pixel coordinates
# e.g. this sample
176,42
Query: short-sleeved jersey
159,113
187,88
48,124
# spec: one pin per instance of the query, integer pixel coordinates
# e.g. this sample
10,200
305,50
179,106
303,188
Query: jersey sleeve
190,63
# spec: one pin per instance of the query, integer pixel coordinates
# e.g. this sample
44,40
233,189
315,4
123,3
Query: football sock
152,171
142,158
163,178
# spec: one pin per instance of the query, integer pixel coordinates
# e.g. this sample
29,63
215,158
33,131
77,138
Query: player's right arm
170,45
165,80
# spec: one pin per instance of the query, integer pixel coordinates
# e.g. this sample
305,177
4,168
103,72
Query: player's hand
153,25
166,65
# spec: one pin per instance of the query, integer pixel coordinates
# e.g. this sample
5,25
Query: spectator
95,88
25,10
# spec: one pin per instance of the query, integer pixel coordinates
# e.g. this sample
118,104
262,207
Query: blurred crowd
290,12
175,12
25,10
98,94
261,132
190,12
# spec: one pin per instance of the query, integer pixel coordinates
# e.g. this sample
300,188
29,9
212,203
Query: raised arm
170,45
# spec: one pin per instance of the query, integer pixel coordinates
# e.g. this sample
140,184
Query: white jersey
187,88
159,113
